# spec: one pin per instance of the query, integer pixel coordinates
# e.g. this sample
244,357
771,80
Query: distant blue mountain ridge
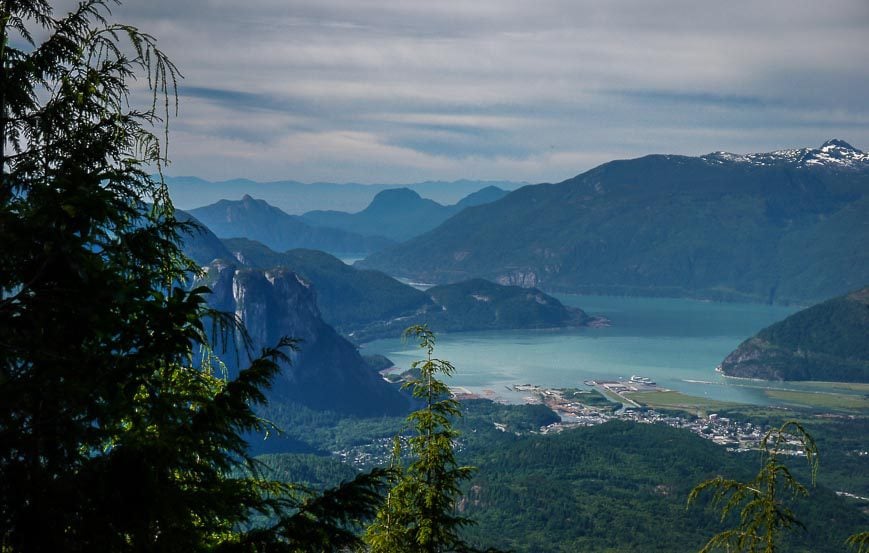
400,214
295,198
392,216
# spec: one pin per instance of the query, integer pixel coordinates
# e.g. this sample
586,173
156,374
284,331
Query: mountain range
400,214
281,294
296,197
326,372
257,220
828,341
785,226
365,304
392,216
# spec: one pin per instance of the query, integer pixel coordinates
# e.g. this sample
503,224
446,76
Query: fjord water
675,342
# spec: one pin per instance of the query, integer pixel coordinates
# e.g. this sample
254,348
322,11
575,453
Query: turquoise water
675,342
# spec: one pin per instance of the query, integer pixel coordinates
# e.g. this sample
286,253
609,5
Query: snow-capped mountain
836,154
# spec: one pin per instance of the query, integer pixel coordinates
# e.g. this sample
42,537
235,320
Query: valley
542,473
539,370
434,277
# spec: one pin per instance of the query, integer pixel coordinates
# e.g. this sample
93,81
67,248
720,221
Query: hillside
257,220
349,299
480,305
619,486
400,214
829,341
200,244
365,304
788,226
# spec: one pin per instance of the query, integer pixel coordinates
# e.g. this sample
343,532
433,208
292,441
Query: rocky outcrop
525,279
326,372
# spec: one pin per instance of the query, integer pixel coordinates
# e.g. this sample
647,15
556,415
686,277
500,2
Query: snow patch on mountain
833,153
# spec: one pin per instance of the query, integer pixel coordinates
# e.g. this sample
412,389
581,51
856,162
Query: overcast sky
403,91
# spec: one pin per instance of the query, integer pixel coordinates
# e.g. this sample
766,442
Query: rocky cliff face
326,372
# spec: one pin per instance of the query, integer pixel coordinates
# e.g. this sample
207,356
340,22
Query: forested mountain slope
829,341
622,486
788,226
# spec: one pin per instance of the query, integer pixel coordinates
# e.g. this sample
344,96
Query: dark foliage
419,512
119,429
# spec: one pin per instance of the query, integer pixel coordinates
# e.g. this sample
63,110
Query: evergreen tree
859,542
115,435
419,513
763,512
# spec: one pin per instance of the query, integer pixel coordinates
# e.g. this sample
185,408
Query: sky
393,92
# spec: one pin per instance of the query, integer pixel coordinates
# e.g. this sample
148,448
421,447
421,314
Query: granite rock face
327,371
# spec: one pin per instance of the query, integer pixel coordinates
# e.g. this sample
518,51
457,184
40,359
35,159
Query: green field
847,387
592,398
834,396
677,400
821,400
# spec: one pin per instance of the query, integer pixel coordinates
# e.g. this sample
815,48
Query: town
596,404
586,408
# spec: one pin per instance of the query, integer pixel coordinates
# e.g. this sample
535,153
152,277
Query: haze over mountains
786,226
783,226
789,225
400,214
296,198
393,215
257,220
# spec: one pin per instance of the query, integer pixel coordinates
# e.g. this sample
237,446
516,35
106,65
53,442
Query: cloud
389,91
